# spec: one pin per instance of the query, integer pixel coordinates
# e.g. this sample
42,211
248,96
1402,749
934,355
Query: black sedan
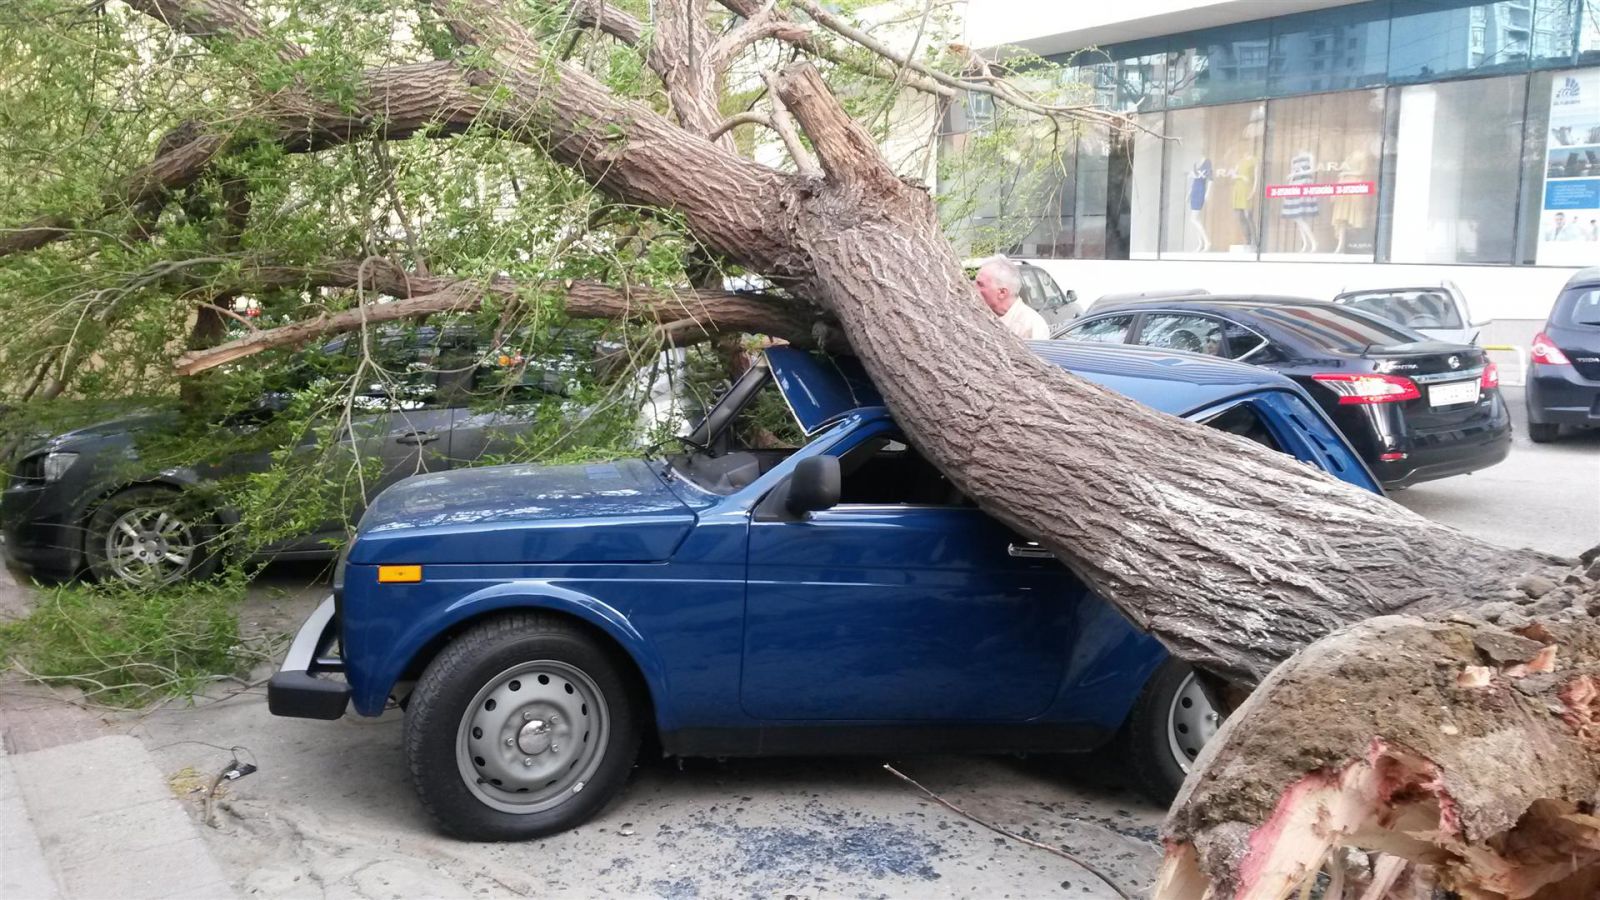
1415,409
1564,378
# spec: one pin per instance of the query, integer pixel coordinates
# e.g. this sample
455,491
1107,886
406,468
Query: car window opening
748,432
1243,420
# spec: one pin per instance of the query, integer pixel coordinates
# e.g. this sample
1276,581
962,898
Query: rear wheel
1172,720
522,727
1543,432
150,536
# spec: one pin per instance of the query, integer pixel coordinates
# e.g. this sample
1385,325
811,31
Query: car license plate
1453,393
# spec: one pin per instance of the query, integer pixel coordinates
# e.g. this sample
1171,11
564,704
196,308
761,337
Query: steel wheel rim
1191,722
532,737
150,545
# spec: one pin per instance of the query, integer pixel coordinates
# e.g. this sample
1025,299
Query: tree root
1461,752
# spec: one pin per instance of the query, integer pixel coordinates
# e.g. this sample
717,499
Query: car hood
601,512
143,420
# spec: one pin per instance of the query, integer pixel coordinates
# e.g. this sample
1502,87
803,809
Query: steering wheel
1185,340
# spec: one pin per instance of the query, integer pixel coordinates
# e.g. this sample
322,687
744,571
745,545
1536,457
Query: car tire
149,536
1171,719
1543,432
523,726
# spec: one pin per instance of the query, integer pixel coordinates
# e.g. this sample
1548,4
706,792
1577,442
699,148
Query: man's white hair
1008,272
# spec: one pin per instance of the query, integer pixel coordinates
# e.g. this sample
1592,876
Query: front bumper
296,690
41,534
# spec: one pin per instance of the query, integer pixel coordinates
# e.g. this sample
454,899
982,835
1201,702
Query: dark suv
1564,377
95,499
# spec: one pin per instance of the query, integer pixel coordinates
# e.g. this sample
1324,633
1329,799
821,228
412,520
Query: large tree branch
848,154
804,162
767,22
694,315
212,21
607,18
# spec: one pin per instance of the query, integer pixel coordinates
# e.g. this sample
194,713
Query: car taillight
1491,377
1369,388
1548,353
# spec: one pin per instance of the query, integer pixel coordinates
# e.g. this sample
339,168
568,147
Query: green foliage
125,647
90,93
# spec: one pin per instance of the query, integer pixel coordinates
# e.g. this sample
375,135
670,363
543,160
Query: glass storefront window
1321,187
1214,174
1334,50
1564,227
1456,147
1141,76
1218,66
1432,39
1142,185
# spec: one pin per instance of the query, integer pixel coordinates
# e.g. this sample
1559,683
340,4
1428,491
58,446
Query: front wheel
1171,721
1543,432
523,726
151,536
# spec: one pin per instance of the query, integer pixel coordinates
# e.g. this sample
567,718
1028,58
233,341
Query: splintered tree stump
1458,752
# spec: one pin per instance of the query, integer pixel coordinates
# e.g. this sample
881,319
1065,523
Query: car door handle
1029,550
416,437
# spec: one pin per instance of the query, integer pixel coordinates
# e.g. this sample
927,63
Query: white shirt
1022,321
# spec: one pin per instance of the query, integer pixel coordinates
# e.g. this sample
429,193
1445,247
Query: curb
97,819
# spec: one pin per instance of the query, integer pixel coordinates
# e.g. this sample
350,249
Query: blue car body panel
864,616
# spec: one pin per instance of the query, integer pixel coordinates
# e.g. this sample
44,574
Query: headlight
57,464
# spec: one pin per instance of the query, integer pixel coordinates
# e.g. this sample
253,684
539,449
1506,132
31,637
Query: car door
507,401
394,430
899,609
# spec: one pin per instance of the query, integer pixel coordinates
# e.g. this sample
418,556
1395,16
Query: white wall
1494,292
1058,26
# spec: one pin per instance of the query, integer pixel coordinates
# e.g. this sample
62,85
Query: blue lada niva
751,595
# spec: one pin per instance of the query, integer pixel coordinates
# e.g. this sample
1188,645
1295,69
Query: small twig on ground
1075,860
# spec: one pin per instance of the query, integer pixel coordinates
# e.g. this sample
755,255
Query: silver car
1439,311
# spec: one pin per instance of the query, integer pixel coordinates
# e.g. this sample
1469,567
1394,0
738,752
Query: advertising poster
1569,218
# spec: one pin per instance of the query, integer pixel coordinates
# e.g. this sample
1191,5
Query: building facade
1429,139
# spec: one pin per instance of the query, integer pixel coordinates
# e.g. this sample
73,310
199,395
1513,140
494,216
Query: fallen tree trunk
1463,745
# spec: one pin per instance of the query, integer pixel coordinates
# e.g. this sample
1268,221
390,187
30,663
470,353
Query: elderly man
1000,286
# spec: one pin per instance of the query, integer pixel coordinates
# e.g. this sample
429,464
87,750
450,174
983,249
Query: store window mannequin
1246,185
1350,210
1199,187
1302,211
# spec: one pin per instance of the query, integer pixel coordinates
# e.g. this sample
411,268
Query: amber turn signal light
399,574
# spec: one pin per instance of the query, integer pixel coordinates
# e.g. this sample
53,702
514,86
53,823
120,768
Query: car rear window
1412,308
1579,307
1336,328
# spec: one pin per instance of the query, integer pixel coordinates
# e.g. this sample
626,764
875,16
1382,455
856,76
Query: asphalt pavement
1545,496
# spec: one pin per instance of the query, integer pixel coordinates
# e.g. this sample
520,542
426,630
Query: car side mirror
814,486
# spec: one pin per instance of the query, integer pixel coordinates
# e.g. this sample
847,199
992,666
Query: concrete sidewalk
96,819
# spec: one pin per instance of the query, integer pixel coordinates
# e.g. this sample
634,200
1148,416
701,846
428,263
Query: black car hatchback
1414,408
1563,385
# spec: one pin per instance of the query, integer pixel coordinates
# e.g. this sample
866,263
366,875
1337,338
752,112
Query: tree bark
689,315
